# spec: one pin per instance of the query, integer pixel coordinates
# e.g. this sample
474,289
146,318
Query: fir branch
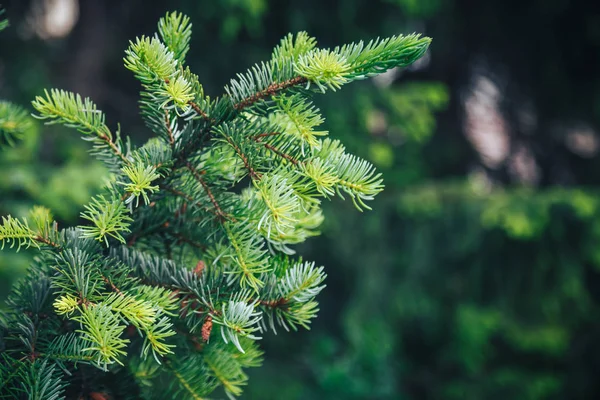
139,182
248,254
260,136
192,376
68,348
47,242
182,239
150,60
274,303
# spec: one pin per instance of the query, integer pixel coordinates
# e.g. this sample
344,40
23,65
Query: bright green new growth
187,255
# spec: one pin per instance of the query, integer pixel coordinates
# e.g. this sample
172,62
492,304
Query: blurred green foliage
452,288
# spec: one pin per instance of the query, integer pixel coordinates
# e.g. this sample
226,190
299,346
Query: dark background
477,274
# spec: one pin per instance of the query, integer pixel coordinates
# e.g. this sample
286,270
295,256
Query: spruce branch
150,60
18,232
109,218
175,30
69,109
101,329
139,182
42,380
203,264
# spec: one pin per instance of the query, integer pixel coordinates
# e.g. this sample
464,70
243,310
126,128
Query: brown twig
187,197
274,303
266,134
169,130
41,239
258,139
269,91
114,147
200,112
238,151
281,153
112,286
198,176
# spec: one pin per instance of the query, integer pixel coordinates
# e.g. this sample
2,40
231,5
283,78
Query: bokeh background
477,274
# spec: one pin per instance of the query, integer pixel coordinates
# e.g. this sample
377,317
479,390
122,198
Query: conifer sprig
187,256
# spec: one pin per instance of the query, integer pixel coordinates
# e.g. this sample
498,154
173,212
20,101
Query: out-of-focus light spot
51,19
376,122
421,63
480,181
485,126
381,154
523,167
387,78
583,141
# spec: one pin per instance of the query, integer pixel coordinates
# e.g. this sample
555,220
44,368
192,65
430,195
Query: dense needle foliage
187,256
